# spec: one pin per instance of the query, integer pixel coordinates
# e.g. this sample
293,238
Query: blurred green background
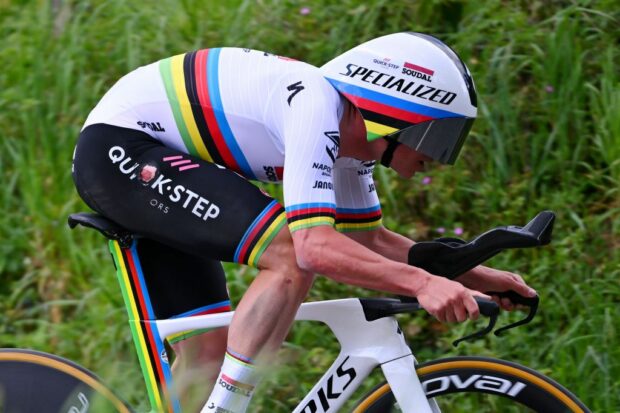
548,137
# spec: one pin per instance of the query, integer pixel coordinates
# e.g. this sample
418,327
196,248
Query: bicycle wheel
467,384
32,381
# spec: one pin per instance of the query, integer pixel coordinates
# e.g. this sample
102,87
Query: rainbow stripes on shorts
260,234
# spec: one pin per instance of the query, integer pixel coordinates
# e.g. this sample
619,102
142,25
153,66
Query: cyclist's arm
385,242
324,250
358,212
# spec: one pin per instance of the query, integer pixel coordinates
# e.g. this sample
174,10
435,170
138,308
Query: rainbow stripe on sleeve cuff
358,219
302,216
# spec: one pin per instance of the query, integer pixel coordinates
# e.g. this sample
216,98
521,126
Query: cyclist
169,151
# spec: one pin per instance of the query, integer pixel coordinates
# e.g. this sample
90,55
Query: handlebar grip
515,298
488,308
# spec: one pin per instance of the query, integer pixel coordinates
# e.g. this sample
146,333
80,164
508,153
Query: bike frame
364,346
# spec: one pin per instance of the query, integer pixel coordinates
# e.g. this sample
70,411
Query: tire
32,381
463,384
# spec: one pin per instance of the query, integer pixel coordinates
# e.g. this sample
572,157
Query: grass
548,137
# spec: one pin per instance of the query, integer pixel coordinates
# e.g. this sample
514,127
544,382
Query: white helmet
411,88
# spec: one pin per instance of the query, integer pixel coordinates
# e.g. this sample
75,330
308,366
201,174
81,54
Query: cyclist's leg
261,322
197,364
197,207
266,311
182,285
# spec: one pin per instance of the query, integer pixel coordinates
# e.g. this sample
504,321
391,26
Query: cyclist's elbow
310,250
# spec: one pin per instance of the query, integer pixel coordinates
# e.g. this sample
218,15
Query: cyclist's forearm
385,242
325,251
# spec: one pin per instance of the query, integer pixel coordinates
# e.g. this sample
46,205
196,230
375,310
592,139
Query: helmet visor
440,139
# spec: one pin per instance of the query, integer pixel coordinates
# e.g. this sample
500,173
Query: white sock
233,388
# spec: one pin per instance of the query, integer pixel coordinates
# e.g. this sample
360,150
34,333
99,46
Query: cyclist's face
406,161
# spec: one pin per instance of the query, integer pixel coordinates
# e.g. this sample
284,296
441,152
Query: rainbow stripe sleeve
303,216
358,219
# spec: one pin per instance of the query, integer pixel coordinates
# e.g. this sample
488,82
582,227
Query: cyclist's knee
280,258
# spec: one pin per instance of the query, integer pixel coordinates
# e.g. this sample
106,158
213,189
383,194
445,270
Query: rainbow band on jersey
303,216
358,219
260,234
192,85
384,114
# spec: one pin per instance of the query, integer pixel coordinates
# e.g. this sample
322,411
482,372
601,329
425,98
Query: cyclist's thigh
178,283
164,194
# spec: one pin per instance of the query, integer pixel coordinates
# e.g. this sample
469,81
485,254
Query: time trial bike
366,329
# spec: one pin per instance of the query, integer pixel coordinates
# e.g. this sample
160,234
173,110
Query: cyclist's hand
484,278
449,301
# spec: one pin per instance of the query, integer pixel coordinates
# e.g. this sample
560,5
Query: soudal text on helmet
401,85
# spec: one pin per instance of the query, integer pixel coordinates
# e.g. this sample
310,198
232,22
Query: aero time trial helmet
411,88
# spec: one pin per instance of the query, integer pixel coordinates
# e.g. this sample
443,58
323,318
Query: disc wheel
32,381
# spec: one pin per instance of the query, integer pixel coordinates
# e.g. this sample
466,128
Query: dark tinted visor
441,139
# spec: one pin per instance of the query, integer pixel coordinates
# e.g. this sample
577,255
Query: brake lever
487,308
517,299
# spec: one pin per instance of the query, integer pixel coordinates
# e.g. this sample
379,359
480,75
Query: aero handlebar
451,257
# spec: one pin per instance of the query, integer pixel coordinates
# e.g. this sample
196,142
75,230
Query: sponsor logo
154,126
327,393
177,161
385,63
288,59
234,386
326,170
218,409
178,194
400,85
323,185
371,188
155,203
274,173
334,145
295,88
83,406
477,381
418,72
364,172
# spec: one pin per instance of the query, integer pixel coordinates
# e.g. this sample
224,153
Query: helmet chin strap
388,153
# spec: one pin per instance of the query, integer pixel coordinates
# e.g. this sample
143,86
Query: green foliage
548,137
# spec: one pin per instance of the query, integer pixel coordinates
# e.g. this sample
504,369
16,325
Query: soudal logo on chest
400,85
418,71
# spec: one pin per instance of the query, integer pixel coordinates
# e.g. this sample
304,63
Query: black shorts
183,208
